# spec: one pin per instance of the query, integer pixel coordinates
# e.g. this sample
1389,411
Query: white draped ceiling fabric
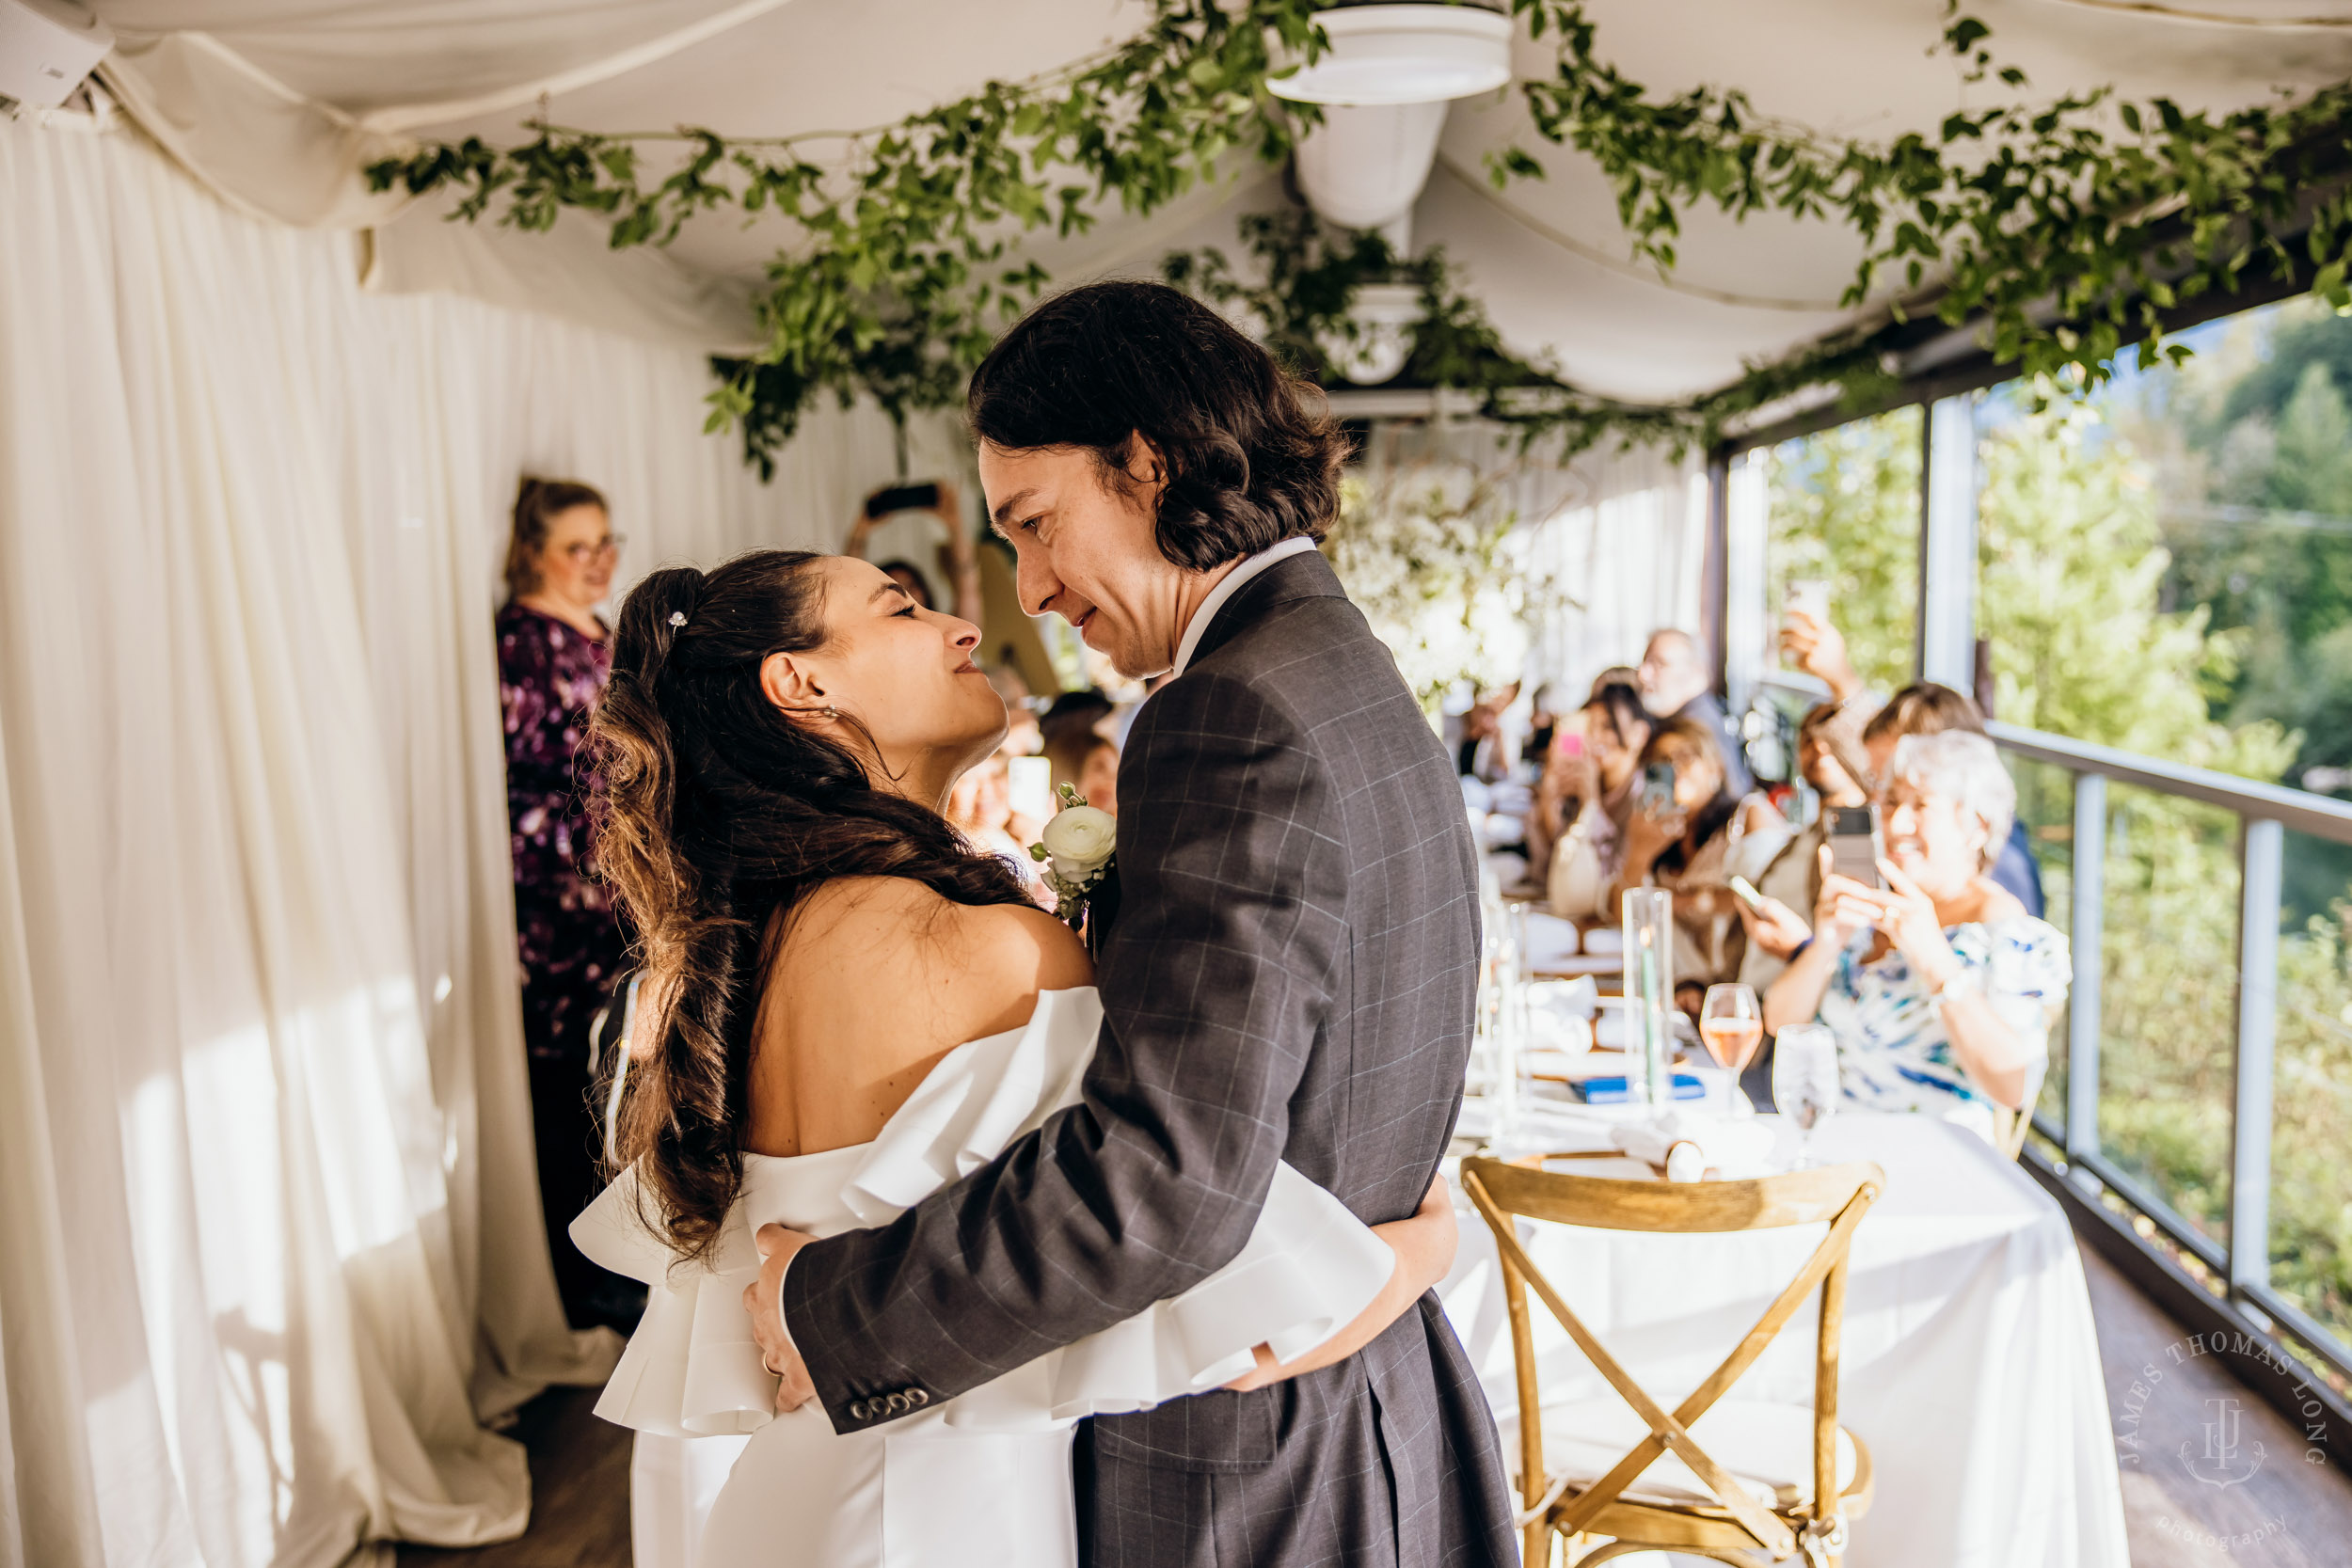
273,1270
273,1258
276,102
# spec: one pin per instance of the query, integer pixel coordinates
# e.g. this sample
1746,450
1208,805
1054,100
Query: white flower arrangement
1433,554
1079,848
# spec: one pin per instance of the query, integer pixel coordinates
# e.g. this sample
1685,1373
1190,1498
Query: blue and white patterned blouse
1893,1053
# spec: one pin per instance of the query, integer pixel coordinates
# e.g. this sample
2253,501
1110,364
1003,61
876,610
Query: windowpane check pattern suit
1291,974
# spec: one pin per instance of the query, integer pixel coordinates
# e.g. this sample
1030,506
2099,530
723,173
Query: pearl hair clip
678,617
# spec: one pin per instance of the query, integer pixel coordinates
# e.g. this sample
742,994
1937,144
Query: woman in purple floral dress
554,657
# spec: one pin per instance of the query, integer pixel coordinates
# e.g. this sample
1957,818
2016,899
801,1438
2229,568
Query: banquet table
1970,1364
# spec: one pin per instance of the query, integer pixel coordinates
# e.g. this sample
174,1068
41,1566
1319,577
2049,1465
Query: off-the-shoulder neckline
751,1157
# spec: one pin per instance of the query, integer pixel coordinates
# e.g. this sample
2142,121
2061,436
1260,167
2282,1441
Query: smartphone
1808,596
1745,892
1658,788
901,497
1854,846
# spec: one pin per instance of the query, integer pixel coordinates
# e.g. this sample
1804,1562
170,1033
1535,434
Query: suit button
917,1398
896,1404
857,1410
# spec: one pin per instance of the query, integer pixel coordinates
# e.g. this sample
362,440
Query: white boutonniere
1079,846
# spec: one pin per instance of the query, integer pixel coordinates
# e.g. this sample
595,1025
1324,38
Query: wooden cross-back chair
1727,1516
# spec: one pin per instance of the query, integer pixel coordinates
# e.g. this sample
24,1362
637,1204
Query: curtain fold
273,1263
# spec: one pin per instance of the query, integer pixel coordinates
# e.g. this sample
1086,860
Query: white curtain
1626,543
272,1257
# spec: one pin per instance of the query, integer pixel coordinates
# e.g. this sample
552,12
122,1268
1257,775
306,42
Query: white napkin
1693,1146
1549,938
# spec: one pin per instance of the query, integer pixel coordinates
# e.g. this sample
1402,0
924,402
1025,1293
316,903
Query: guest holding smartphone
1791,881
1690,834
1939,987
1602,773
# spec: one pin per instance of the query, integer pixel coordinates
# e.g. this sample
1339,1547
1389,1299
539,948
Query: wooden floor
579,1492
2288,1514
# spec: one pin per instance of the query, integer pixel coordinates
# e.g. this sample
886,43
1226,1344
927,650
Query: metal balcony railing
2265,813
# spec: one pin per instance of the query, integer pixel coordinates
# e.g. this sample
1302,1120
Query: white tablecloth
1971,1368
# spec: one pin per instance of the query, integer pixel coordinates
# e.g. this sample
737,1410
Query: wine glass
1804,1081
1732,1025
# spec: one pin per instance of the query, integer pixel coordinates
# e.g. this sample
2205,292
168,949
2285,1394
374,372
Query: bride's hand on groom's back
1423,1245
763,1299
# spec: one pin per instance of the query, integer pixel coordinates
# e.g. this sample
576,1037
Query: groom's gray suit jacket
1291,975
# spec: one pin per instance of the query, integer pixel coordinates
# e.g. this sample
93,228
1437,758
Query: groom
1291,975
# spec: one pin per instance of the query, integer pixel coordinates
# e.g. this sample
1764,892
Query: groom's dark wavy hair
715,816
1252,456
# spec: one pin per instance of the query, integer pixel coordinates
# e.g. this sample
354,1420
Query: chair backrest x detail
1840,1195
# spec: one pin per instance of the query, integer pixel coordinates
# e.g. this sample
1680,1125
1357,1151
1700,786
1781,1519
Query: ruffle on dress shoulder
691,1370
1309,1269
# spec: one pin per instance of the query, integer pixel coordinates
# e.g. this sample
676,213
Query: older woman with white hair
1939,985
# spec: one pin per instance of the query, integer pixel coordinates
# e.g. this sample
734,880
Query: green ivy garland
1308,275
2061,240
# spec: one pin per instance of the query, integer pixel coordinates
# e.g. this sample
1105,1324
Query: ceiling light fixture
1403,54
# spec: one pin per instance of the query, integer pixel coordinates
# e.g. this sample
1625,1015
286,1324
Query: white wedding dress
978,1481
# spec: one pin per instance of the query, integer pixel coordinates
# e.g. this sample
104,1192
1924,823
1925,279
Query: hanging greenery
1306,277
2061,231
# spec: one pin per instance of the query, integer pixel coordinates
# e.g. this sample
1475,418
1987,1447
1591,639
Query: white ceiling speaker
1403,54
47,48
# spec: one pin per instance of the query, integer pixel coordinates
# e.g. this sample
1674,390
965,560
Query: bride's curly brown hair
716,814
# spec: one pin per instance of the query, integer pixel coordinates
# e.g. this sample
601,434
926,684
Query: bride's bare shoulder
856,925
885,956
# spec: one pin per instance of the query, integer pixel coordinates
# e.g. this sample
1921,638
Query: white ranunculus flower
1080,839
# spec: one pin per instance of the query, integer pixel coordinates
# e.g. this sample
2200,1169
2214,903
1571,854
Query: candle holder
1649,989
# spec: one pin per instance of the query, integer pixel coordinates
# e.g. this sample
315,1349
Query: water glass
1804,1081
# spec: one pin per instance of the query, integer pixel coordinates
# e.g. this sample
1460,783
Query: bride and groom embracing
1001,1253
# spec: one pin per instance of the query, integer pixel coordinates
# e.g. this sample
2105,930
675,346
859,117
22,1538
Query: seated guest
1562,782
1940,988
1927,708
1486,752
981,806
1792,882
1692,843
1089,762
1603,780
1073,711
1543,721
1675,685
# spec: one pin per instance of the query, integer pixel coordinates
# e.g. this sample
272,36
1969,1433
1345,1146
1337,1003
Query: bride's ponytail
687,932
714,815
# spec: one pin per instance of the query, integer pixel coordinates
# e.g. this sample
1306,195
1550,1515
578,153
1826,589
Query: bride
853,1008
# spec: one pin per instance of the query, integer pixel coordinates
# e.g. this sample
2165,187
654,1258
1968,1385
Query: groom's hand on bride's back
764,1300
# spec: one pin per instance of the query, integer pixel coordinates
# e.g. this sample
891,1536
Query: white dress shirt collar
1250,567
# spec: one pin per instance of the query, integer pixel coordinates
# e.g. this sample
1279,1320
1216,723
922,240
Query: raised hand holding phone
1772,926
